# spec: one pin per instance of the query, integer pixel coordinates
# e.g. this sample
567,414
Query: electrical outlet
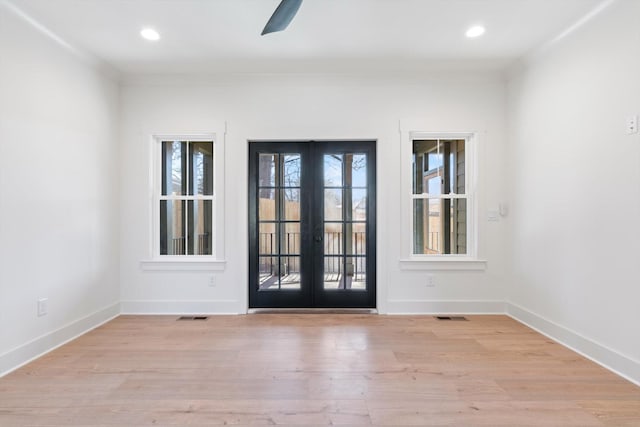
212,281
431,281
42,306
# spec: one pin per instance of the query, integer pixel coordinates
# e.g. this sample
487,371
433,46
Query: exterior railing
333,250
203,245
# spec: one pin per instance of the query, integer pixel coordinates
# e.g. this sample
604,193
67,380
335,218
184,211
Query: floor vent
451,318
192,318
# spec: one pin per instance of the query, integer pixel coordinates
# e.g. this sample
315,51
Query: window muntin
439,198
186,200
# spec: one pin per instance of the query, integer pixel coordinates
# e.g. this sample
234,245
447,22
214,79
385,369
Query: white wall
310,107
58,193
576,189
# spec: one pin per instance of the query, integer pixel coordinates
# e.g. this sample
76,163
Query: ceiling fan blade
283,15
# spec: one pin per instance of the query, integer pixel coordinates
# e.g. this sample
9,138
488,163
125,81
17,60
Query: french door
312,229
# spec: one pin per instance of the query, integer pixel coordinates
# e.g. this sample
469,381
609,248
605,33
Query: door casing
312,293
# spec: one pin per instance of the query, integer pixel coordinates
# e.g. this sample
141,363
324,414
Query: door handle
318,238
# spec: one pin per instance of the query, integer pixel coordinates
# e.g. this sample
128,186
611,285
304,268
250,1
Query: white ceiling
203,36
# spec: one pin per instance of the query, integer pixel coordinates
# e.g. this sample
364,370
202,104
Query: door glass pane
333,277
267,170
333,170
292,166
201,168
290,273
333,238
267,205
356,242
279,180
173,155
355,170
359,205
267,243
172,225
291,204
291,238
332,205
356,277
200,227
269,273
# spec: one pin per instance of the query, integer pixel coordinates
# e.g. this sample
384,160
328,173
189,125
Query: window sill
439,263
183,265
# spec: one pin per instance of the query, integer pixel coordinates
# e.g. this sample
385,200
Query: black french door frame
312,291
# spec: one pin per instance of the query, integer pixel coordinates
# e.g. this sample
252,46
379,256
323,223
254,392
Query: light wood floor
316,369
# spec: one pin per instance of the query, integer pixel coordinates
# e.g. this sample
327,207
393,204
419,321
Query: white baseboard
598,353
20,356
177,307
444,307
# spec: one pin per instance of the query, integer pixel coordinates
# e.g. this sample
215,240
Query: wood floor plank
315,369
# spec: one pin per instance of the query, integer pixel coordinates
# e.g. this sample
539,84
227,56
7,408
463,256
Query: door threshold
312,311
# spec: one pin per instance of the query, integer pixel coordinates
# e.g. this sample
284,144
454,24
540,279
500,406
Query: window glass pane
292,170
452,167
333,205
434,159
421,166
439,226
172,221
201,168
267,170
439,167
433,184
200,227
427,226
459,226
333,170
173,168
457,160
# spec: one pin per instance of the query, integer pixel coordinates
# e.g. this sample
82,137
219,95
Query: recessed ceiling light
475,31
150,34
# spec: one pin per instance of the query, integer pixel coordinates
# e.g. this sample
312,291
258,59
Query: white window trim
410,261
213,262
